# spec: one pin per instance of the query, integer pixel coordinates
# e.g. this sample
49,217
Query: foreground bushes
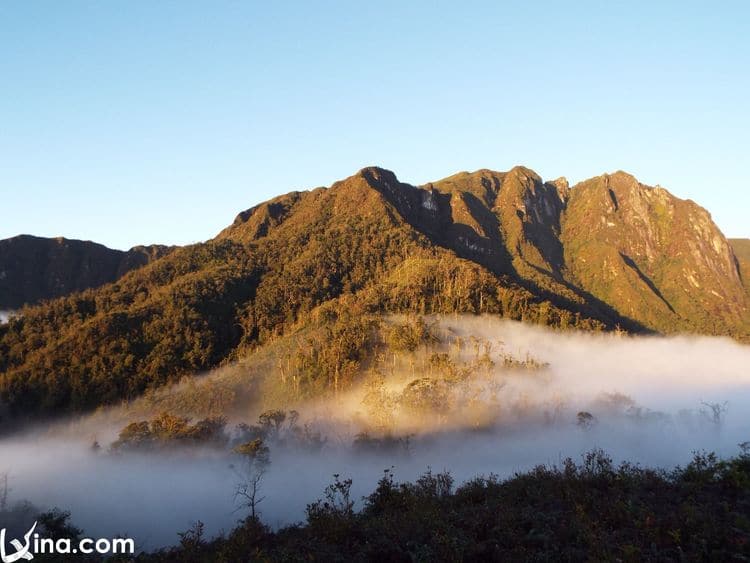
591,511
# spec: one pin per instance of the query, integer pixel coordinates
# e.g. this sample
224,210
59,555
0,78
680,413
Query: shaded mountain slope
619,249
741,247
35,268
610,248
343,248
483,242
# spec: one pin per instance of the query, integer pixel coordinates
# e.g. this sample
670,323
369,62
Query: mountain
35,268
624,250
608,252
653,256
741,247
611,247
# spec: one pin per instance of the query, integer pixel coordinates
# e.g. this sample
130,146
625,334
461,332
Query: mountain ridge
516,224
606,253
36,268
513,223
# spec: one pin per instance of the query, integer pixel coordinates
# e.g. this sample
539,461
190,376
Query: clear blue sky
130,122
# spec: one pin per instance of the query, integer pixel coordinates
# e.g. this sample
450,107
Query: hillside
653,256
35,268
610,248
741,247
609,252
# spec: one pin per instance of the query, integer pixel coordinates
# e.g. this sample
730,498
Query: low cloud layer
651,401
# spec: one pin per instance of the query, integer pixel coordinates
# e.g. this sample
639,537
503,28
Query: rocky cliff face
651,255
34,268
609,246
741,248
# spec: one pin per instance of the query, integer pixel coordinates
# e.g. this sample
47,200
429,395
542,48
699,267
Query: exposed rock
610,245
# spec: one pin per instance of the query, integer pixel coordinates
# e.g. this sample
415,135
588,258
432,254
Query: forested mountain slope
741,247
605,253
36,268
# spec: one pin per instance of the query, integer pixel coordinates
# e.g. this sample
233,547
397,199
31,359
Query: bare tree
254,463
4,492
715,412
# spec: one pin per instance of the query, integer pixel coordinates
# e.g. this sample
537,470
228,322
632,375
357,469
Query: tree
255,459
585,420
716,412
426,395
333,516
271,421
4,492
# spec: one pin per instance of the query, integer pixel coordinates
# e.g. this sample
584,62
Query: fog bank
649,399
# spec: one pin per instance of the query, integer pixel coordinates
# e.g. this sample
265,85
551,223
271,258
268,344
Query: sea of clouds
650,397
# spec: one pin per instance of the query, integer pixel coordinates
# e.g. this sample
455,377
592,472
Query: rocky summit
610,246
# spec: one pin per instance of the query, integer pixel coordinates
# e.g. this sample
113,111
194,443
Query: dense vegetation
475,243
211,302
591,511
36,268
587,511
741,249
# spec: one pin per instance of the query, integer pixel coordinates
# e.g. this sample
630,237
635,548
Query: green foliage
170,318
276,427
331,358
192,542
56,525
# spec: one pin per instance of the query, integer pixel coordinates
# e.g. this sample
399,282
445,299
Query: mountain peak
379,178
524,173
376,173
608,240
387,184
611,252
622,175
